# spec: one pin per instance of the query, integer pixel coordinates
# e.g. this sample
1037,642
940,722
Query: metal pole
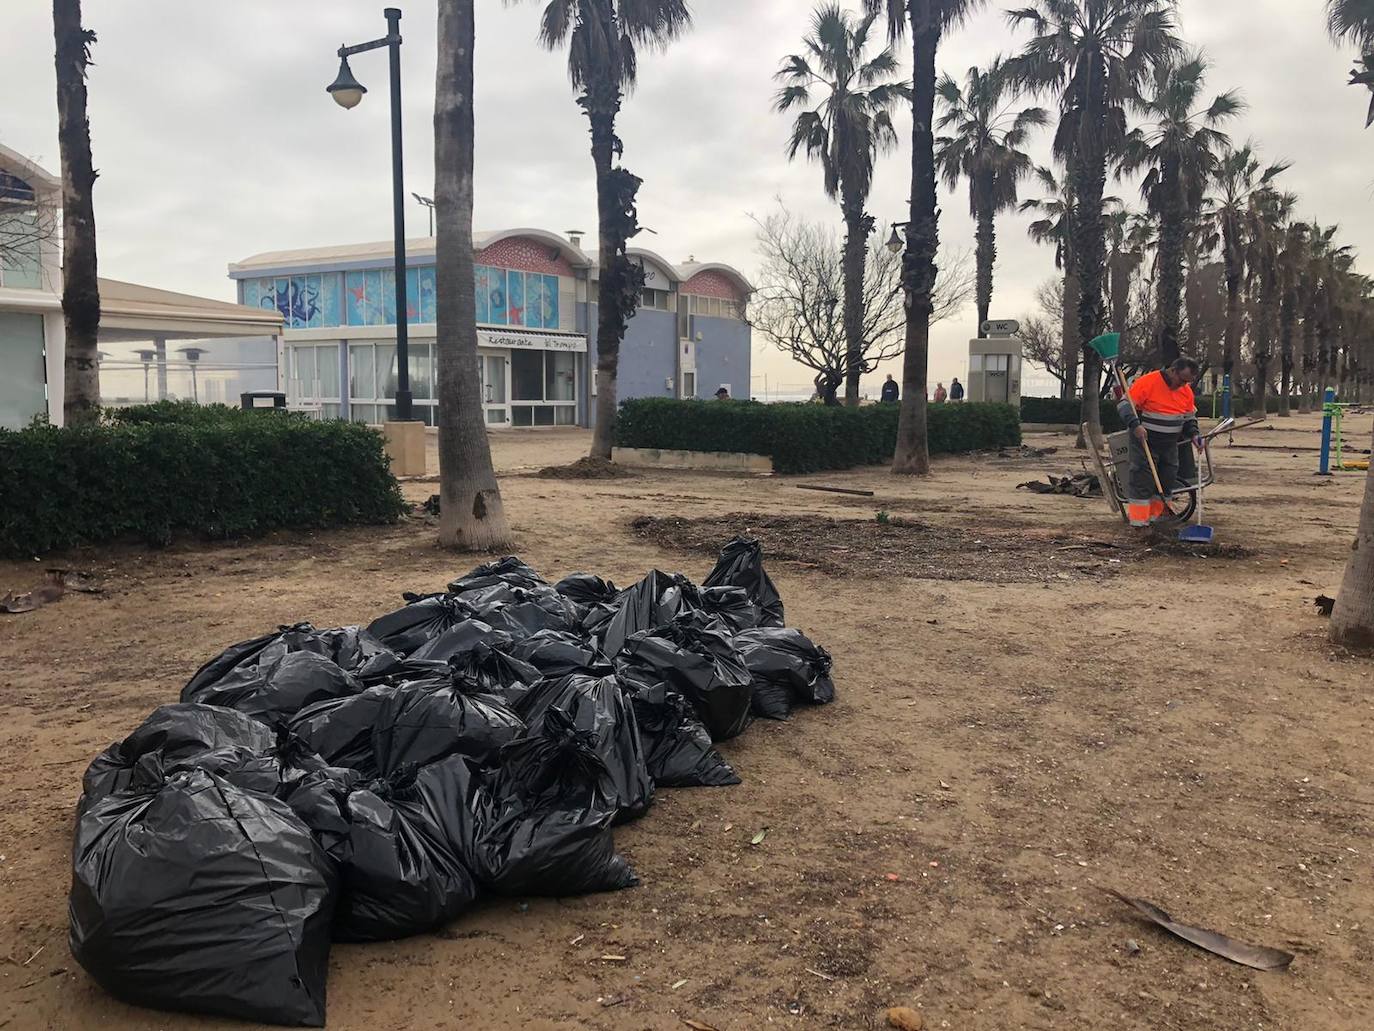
1328,410
1226,396
403,408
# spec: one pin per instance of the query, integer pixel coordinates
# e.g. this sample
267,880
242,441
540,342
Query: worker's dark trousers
1177,468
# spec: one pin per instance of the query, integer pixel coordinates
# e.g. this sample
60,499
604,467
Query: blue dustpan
1197,533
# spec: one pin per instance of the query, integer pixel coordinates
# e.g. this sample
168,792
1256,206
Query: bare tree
799,307
27,225
80,285
472,516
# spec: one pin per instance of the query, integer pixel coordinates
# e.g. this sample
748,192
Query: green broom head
1108,346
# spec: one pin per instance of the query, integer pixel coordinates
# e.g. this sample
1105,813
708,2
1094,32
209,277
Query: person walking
940,393
891,392
956,390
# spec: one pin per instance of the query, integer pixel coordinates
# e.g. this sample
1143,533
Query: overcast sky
215,140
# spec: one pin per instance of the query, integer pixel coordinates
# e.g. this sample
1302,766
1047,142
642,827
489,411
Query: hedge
188,413
1056,411
231,477
802,438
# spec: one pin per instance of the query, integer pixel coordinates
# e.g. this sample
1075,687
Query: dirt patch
875,549
586,468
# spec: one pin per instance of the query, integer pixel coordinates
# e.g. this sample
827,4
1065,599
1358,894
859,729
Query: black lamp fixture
348,93
895,243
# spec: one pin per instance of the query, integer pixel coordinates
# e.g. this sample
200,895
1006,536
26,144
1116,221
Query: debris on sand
1257,956
1080,485
904,1018
56,584
1324,604
587,468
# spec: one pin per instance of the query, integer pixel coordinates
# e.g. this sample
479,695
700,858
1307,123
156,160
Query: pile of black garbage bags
367,784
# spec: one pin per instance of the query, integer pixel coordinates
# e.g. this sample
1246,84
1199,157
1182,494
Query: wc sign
1001,328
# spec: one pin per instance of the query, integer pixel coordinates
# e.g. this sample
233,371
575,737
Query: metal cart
1111,461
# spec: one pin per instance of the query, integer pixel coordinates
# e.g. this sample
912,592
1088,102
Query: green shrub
188,413
802,438
237,476
1058,412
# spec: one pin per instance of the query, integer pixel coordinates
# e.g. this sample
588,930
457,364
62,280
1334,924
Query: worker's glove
1142,434
1198,442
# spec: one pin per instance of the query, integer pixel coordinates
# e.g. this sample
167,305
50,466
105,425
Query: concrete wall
724,355
648,354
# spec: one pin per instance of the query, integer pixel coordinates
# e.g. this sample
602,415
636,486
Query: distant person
956,390
723,394
940,393
891,392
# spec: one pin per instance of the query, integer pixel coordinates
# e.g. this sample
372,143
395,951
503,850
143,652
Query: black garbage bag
787,668
491,670
741,565
510,571
459,640
174,736
318,794
353,650
203,898
586,591
556,653
275,690
732,606
600,707
694,656
407,871
677,747
424,721
652,603
424,618
340,731
544,823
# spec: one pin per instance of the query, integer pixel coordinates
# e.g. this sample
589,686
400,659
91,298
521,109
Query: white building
225,348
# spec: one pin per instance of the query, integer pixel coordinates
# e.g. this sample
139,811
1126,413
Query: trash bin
271,399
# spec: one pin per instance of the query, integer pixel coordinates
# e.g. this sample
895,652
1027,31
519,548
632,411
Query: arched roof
575,255
729,271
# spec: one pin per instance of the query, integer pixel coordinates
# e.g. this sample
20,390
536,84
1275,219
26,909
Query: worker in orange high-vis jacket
1167,421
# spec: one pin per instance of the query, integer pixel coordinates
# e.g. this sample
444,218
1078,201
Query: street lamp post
347,93
427,202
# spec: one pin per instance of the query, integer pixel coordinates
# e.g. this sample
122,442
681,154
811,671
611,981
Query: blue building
536,328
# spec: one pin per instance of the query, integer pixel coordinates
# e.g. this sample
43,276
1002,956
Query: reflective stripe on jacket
1163,409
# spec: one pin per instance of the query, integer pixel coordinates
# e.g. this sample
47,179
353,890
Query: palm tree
1055,227
927,21
1353,21
80,285
1352,620
603,39
1095,56
984,148
1179,145
1237,178
1267,229
847,132
472,517
1292,266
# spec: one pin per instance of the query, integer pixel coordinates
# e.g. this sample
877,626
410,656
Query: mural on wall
515,296
368,298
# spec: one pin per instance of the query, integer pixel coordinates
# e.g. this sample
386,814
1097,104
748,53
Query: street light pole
347,92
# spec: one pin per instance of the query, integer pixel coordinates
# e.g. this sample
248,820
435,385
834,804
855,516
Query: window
527,375
689,384
715,307
656,300
560,376
362,382
21,231
305,301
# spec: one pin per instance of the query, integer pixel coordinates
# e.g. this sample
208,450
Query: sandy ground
1171,726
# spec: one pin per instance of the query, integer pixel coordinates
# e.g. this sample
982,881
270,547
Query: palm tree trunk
1090,250
912,456
986,252
1070,348
1173,236
1287,321
858,227
1261,397
472,517
1232,255
80,284
1352,620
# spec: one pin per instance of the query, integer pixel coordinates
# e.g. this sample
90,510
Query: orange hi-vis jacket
1163,409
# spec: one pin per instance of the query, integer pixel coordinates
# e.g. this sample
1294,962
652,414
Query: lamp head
346,90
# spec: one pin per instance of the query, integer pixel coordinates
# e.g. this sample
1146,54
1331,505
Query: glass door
495,389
